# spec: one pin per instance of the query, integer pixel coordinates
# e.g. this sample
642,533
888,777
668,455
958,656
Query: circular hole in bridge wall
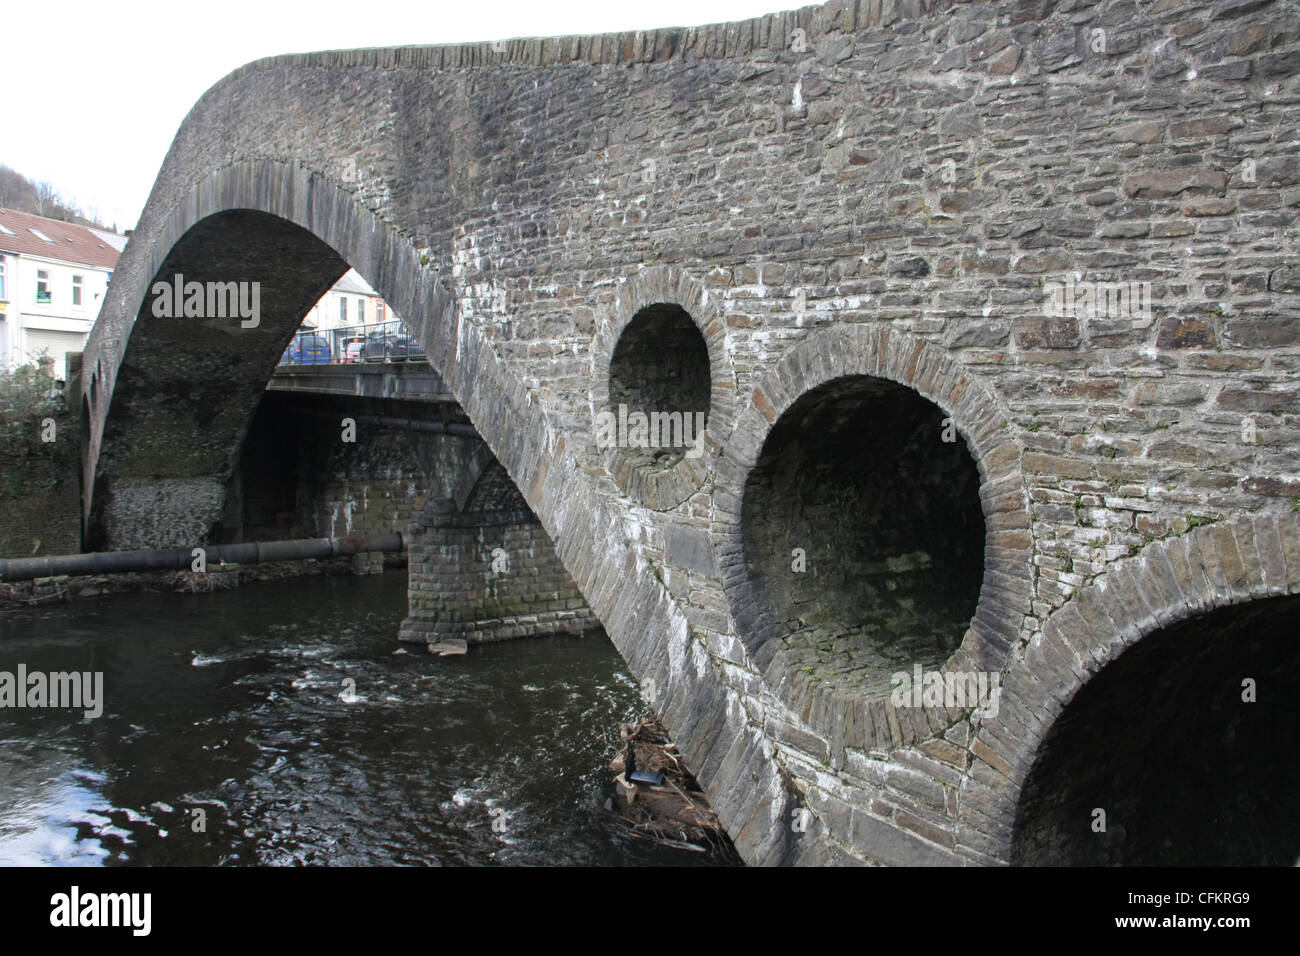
886,515
659,370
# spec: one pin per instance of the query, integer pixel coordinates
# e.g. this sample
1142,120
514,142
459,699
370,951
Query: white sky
96,91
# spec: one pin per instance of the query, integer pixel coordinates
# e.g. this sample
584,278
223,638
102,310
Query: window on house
76,290
361,310
343,310
379,310
39,235
2,281
42,287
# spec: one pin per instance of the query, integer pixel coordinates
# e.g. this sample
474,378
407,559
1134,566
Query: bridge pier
1052,487
487,573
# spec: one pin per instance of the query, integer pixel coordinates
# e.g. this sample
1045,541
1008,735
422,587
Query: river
273,725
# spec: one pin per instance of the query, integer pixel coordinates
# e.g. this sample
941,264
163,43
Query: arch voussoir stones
899,365
662,316
1171,582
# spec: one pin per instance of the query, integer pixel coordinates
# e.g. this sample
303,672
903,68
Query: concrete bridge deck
838,233
399,381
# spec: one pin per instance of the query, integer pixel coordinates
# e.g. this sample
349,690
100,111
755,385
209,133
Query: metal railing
370,342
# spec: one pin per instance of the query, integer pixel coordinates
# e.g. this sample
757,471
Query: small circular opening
659,387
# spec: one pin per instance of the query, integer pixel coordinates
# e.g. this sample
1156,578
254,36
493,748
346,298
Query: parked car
352,351
307,349
391,347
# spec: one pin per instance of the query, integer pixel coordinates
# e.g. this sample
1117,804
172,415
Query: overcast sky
96,91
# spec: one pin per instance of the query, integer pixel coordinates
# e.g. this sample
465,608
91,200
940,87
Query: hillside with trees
22,194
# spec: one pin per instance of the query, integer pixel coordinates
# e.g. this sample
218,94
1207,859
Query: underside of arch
1174,755
1154,654
187,386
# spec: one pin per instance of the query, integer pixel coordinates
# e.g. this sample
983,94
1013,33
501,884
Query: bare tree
21,194
47,199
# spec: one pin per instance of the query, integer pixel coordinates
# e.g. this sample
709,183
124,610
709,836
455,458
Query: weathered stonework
865,721
662,489
488,572
481,566
862,188
297,476
39,490
1179,580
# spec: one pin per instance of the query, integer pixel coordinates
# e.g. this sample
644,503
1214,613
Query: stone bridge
991,309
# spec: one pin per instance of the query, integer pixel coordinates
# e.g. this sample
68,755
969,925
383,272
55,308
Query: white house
53,276
349,311
348,306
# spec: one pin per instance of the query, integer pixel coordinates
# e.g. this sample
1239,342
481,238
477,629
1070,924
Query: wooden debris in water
675,814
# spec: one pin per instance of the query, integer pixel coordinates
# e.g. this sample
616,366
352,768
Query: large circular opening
1161,760
863,536
659,387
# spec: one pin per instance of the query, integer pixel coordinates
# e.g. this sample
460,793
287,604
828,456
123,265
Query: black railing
372,342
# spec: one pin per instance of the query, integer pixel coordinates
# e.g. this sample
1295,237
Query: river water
273,725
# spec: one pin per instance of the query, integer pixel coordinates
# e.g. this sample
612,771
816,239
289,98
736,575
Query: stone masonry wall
489,572
40,489
299,476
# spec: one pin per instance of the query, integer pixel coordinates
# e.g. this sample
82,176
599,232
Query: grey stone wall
40,489
859,189
328,466
488,571
864,536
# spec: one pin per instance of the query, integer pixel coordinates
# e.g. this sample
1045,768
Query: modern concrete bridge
992,311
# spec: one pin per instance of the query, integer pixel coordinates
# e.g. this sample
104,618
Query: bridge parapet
413,381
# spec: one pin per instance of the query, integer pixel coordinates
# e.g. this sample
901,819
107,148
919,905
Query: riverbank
41,592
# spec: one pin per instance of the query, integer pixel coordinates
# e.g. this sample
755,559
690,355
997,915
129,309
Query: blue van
307,348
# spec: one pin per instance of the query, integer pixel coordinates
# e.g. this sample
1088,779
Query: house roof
66,242
112,238
351,281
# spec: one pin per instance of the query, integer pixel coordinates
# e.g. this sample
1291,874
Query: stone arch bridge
991,309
